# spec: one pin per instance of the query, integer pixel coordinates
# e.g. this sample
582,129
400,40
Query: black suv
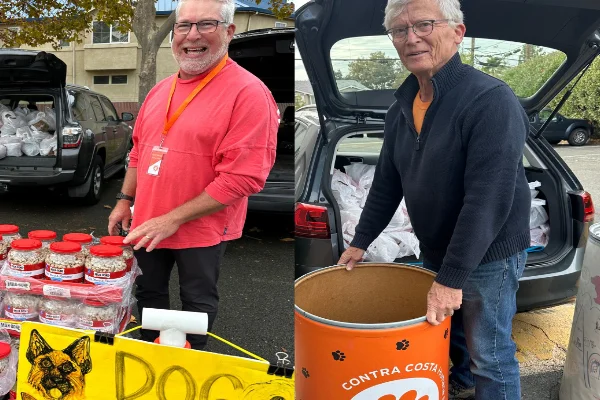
92,140
576,131
351,122
269,55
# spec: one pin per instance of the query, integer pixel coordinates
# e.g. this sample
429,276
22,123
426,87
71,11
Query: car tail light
311,221
71,137
588,207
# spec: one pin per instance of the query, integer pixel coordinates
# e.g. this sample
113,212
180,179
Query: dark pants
198,270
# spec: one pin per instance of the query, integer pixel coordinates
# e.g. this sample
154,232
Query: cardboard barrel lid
595,233
371,296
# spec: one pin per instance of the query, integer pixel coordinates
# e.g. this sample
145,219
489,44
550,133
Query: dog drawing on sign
59,374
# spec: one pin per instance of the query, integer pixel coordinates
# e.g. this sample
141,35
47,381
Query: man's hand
441,303
152,232
351,256
121,213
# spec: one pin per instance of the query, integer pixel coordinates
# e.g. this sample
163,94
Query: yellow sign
67,364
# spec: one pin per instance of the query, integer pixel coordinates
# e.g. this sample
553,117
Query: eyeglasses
183,28
421,29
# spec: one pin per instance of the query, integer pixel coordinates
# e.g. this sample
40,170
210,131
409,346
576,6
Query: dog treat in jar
3,248
57,311
46,237
83,239
65,262
127,249
9,233
5,350
25,259
93,314
21,307
105,265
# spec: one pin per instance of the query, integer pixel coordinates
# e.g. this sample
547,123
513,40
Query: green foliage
526,78
299,101
378,71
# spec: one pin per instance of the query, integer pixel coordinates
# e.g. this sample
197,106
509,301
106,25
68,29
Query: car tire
97,183
554,141
579,137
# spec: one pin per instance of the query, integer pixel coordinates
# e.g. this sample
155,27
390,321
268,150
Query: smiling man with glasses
204,141
453,148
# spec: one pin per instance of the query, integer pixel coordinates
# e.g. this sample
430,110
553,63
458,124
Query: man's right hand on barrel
442,301
351,256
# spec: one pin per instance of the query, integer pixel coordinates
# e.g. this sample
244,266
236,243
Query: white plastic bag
39,135
407,242
383,249
10,139
538,215
13,149
48,146
30,147
346,192
540,236
43,121
12,120
23,132
2,151
400,221
362,174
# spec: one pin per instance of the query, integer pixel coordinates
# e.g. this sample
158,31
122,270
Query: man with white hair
204,140
453,148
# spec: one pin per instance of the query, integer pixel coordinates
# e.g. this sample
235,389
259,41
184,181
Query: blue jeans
481,348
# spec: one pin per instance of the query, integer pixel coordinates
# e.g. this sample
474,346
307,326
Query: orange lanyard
170,121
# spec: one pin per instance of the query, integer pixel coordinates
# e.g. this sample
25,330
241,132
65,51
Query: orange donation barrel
363,335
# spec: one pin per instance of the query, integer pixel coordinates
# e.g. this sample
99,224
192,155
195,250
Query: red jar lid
6,229
26,244
65,247
78,237
42,235
113,240
105,250
5,349
94,303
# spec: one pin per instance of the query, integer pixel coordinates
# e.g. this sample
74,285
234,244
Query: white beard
196,67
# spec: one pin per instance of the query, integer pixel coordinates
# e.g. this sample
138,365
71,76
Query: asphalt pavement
256,278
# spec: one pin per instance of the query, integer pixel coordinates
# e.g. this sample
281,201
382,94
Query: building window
64,43
101,80
104,33
280,24
119,79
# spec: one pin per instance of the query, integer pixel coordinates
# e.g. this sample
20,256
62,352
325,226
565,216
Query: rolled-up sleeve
247,153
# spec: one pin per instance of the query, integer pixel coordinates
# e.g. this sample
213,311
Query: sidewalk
542,339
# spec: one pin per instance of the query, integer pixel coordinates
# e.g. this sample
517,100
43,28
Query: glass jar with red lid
5,351
58,311
46,237
21,307
26,259
3,248
127,249
65,262
9,233
105,265
85,240
96,315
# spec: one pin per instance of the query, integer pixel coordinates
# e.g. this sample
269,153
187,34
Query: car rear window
372,63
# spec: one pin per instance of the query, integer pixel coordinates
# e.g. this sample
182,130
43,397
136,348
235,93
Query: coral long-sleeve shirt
223,143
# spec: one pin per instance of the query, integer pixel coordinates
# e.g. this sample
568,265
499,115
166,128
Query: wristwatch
123,196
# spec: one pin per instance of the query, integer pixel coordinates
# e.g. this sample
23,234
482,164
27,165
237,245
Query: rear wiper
563,100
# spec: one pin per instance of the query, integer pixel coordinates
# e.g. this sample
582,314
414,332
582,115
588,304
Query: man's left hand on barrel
442,301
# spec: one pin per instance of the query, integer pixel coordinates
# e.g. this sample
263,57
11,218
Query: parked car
350,126
92,140
269,55
576,131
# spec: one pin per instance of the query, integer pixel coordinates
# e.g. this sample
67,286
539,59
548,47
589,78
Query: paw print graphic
446,334
411,395
402,345
338,355
305,373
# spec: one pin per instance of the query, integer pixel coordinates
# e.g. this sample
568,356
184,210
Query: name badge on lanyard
158,152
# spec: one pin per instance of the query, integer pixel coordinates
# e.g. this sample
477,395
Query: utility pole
473,51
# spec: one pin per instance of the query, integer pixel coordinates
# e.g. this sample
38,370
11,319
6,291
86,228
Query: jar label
129,263
20,314
2,256
10,326
64,274
97,325
101,278
27,270
54,319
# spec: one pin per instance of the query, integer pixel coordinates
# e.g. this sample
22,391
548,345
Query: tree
526,78
377,72
52,21
493,65
338,74
299,101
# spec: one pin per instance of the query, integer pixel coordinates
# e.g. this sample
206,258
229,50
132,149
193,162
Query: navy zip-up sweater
463,178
